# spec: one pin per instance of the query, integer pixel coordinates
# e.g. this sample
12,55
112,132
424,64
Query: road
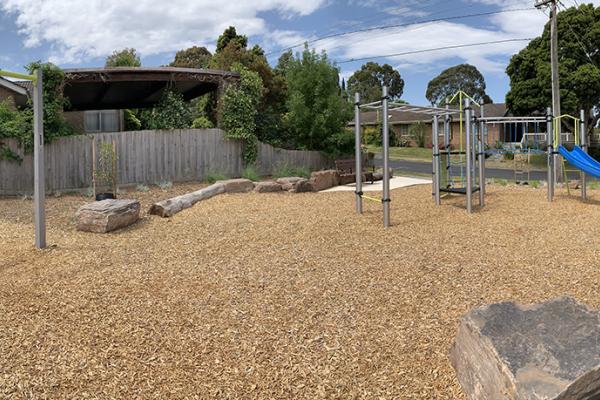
424,168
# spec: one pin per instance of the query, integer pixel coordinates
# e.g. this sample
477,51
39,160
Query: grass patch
251,173
213,176
535,184
285,170
405,153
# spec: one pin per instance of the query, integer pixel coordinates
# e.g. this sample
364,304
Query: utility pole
555,77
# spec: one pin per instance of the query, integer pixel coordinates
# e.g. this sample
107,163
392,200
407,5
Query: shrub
212,177
372,136
164,185
417,131
202,123
106,168
285,170
172,112
251,173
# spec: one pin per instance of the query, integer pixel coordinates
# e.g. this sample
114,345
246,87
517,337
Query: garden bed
275,295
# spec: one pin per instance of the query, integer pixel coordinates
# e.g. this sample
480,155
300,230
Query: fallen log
168,208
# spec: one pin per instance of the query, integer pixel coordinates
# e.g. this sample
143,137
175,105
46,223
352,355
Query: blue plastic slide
581,160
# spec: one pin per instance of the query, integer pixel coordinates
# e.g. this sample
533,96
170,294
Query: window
403,129
102,121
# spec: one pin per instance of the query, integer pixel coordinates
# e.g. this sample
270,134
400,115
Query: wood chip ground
276,296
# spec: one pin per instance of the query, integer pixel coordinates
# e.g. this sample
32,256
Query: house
400,122
98,96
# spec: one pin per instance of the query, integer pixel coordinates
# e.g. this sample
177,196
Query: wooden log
168,208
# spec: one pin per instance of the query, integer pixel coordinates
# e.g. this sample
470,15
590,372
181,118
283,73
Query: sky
76,33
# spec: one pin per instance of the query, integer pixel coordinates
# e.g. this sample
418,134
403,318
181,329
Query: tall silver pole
436,160
470,160
481,160
386,159
447,139
550,143
358,153
39,188
555,85
584,147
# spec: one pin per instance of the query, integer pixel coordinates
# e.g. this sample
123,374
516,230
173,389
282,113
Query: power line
436,49
383,27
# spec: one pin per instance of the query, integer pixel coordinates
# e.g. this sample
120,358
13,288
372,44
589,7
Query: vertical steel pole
584,147
436,159
554,61
386,159
550,143
358,153
469,193
481,160
447,138
39,189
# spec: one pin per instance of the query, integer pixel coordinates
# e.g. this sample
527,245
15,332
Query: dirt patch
275,295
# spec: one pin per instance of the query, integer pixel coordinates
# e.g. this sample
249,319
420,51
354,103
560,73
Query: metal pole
386,159
555,84
550,143
481,160
436,160
447,139
358,153
39,188
584,147
469,192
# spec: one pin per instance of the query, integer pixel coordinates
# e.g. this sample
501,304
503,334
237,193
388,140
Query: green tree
579,55
369,79
123,58
239,110
463,77
317,114
230,36
194,57
172,112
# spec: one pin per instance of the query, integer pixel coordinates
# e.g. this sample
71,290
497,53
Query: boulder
107,215
544,351
267,187
237,185
303,186
322,180
288,183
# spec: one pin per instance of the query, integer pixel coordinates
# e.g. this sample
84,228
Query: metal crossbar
411,108
16,75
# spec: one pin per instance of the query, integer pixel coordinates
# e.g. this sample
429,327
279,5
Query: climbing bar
16,75
373,199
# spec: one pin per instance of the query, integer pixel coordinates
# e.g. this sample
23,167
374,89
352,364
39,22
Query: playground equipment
39,186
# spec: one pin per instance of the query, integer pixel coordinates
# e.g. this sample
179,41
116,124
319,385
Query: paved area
395,183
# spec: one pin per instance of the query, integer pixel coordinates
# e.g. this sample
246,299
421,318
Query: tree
172,112
463,77
530,74
123,58
369,79
230,36
194,57
240,108
317,114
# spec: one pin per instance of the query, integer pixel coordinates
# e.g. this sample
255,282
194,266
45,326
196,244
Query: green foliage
194,57
372,136
371,77
202,122
14,124
463,77
417,131
172,112
317,113
230,36
251,173
286,170
239,110
106,166
530,73
132,122
123,58
212,177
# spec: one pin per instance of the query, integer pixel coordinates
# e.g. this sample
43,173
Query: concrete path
395,183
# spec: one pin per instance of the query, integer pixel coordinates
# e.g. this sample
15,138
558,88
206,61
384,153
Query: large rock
322,180
289,182
303,186
107,215
545,351
267,187
169,207
237,185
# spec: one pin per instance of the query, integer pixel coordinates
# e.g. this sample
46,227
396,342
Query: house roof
127,87
19,93
406,117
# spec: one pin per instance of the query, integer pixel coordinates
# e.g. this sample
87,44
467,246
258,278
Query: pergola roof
127,87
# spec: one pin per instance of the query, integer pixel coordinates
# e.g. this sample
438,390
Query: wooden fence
147,157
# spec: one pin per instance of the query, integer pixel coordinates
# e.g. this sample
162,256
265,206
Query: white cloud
77,30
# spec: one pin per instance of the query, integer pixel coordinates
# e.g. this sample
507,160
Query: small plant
508,156
502,182
202,123
142,188
212,177
164,185
285,170
594,185
535,184
251,173
105,173
417,131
